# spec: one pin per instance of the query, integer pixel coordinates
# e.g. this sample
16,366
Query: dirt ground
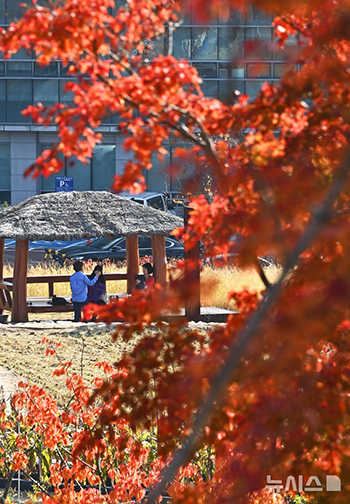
23,354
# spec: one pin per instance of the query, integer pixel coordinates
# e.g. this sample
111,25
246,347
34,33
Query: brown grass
217,283
22,352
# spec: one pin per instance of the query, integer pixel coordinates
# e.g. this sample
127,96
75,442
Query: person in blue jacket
78,285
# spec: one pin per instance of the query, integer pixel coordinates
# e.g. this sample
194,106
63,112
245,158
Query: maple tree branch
37,483
262,275
216,392
205,144
303,31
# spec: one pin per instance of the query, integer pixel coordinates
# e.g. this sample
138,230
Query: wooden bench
40,305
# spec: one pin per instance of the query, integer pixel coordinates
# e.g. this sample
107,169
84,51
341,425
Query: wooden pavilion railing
14,295
50,280
6,289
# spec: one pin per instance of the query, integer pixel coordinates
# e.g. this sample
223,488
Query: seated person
147,269
140,282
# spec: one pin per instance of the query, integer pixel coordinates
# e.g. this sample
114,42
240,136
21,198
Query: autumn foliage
268,392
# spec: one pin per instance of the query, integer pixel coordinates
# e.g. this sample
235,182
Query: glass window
2,68
22,54
50,70
259,17
156,177
232,17
19,96
185,12
228,70
253,87
119,242
156,202
206,69
5,167
183,173
204,43
5,196
144,242
281,68
46,92
48,183
255,70
2,12
66,97
210,88
103,167
182,43
2,101
289,52
13,10
228,88
80,172
64,70
258,44
231,43
19,68
155,47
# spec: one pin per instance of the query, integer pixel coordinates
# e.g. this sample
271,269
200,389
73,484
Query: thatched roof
86,214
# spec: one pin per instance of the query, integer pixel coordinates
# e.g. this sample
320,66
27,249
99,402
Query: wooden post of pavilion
192,277
132,261
2,261
19,308
2,258
159,259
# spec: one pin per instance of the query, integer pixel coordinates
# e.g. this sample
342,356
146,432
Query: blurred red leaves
286,408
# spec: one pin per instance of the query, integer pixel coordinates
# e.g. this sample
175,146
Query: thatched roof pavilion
86,214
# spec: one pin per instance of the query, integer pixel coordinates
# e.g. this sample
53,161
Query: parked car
151,199
159,200
115,249
59,254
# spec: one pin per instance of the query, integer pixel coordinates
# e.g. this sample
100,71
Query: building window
103,167
45,92
19,96
5,173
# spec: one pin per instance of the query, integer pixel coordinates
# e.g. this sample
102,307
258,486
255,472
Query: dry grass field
216,283
22,350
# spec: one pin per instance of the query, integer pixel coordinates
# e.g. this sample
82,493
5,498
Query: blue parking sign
64,184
